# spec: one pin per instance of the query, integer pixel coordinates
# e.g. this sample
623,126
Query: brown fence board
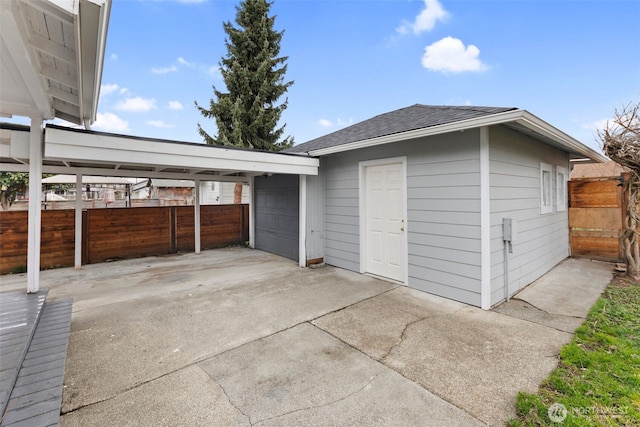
127,233
596,218
57,239
599,193
119,233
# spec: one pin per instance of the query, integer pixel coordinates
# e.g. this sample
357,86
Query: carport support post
252,223
78,229
35,197
302,222
196,213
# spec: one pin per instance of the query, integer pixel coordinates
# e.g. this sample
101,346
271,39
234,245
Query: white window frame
546,194
561,188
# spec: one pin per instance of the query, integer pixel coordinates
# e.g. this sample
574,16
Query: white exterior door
384,220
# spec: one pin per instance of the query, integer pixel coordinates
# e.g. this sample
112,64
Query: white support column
78,245
35,197
252,223
485,221
196,212
302,222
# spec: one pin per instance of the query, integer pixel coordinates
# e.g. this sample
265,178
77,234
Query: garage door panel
276,214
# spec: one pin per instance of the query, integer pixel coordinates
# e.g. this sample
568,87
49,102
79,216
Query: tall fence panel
57,240
127,233
119,233
596,215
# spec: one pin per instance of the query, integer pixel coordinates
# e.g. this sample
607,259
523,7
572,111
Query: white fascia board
538,125
115,149
91,34
522,117
19,145
89,171
493,119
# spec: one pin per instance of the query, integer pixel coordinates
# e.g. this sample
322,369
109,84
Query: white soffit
520,118
52,58
85,149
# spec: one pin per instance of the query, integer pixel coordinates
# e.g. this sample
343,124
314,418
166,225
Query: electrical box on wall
509,226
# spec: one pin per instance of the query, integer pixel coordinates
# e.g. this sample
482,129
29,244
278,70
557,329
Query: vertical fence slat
119,233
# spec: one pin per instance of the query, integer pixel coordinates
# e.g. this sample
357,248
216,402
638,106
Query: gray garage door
276,214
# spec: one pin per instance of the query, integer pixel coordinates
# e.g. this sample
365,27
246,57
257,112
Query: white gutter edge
522,117
540,126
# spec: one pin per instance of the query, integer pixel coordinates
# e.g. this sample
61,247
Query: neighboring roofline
522,117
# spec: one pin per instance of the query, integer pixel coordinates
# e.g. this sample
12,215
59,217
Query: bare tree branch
621,143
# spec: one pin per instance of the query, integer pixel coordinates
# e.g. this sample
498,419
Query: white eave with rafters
52,57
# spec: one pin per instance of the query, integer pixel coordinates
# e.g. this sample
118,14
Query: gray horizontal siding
443,205
542,240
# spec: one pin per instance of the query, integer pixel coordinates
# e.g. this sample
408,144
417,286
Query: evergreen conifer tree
254,75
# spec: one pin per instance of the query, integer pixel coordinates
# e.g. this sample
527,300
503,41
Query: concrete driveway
242,337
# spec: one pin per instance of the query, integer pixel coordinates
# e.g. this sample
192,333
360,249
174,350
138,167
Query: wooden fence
120,233
596,218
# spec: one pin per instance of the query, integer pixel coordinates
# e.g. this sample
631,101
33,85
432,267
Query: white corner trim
485,220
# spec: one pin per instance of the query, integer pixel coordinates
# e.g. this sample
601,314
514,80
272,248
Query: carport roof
70,151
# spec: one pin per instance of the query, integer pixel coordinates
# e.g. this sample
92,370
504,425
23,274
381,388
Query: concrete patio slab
150,334
570,289
477,360
237,336
186,397
303,376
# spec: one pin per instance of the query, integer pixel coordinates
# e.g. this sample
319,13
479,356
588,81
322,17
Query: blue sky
569,62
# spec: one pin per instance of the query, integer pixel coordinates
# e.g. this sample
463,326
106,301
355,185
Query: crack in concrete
224,391
210,356
404,331
546,325
323,404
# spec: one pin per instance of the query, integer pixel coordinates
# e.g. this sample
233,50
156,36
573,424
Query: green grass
598,377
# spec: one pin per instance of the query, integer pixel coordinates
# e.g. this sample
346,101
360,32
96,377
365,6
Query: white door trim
362,212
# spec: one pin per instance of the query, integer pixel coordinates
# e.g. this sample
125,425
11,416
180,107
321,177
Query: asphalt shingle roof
405,119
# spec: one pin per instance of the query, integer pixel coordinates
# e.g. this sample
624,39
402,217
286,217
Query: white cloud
137,104
124,91
164,70
339,122
426,19
110,122
175,105
113,57
449,55
184,62
159,124
108,88
214,71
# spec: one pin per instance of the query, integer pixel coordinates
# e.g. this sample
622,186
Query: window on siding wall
561,188
546,193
